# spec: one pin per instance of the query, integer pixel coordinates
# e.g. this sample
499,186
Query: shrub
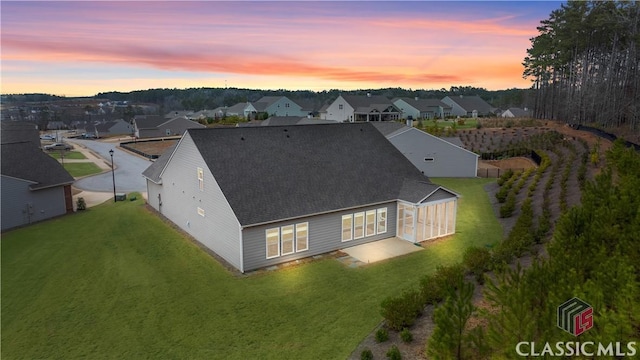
448,277
506,210
477,261
394,353
80,204
429,291
382,335
366,354
406,335
402,311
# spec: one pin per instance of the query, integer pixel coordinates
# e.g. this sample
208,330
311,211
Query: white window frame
355,229
381,218
200,211
370,215
344,217
200,178
286,230
267,242
306,236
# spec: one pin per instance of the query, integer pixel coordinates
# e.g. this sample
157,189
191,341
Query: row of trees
585,64
594,255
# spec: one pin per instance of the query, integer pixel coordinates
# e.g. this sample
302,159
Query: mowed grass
75,155
82,169
116,282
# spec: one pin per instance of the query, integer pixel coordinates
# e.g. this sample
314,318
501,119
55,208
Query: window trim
293,239
350,217
374,218
355,216
200,172
306,231
378,213
266,235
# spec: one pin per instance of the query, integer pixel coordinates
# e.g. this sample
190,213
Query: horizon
77,49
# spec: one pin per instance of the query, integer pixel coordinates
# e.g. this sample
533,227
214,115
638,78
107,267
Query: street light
113,176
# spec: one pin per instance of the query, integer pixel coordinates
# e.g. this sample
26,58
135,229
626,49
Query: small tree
80,204
451,318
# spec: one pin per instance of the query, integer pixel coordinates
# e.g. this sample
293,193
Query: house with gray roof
417,108
433,156
469,106
260,196
149,126
516,112
112,128
278,106
353,108
35,186
19,131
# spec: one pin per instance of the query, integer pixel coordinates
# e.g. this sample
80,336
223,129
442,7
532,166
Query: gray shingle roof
149,121
153,172
26,161
388,127
282,120
14,131
470,103
424,104
368,103
280,172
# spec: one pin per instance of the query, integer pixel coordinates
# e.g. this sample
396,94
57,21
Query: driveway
128,169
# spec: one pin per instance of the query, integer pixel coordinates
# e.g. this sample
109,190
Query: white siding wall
218,229
16,197
336,114
456,110
448,160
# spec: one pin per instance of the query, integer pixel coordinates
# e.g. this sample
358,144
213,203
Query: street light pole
113,176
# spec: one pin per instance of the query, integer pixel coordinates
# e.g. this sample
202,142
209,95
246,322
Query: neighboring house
147,126
433,156
278,106
352,108
56,125
282,120
244,109
18,131
178,113
35,186
471,106
516,113
111,128
422,108
260,196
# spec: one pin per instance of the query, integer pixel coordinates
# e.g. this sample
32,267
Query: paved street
128,169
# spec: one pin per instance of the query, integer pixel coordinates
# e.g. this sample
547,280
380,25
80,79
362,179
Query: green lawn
116,282
82,168
75,155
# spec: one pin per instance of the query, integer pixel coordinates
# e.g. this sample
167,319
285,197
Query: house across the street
260,196
35,186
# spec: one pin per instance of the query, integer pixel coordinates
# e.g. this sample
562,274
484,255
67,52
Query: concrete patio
380,250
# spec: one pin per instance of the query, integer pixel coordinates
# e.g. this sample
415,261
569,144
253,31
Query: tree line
585,64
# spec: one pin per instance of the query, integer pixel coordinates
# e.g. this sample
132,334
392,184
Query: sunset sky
82,48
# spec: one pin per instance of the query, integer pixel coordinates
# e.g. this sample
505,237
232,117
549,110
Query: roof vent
368,94
242,138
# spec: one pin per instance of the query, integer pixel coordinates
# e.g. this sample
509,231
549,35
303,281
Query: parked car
58,146
47,137
88,136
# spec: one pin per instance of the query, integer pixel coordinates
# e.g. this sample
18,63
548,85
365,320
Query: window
371,223
287,240
340,106
201,179
302,236
273,243
286,105
347,223
358,225
201,211
382,220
